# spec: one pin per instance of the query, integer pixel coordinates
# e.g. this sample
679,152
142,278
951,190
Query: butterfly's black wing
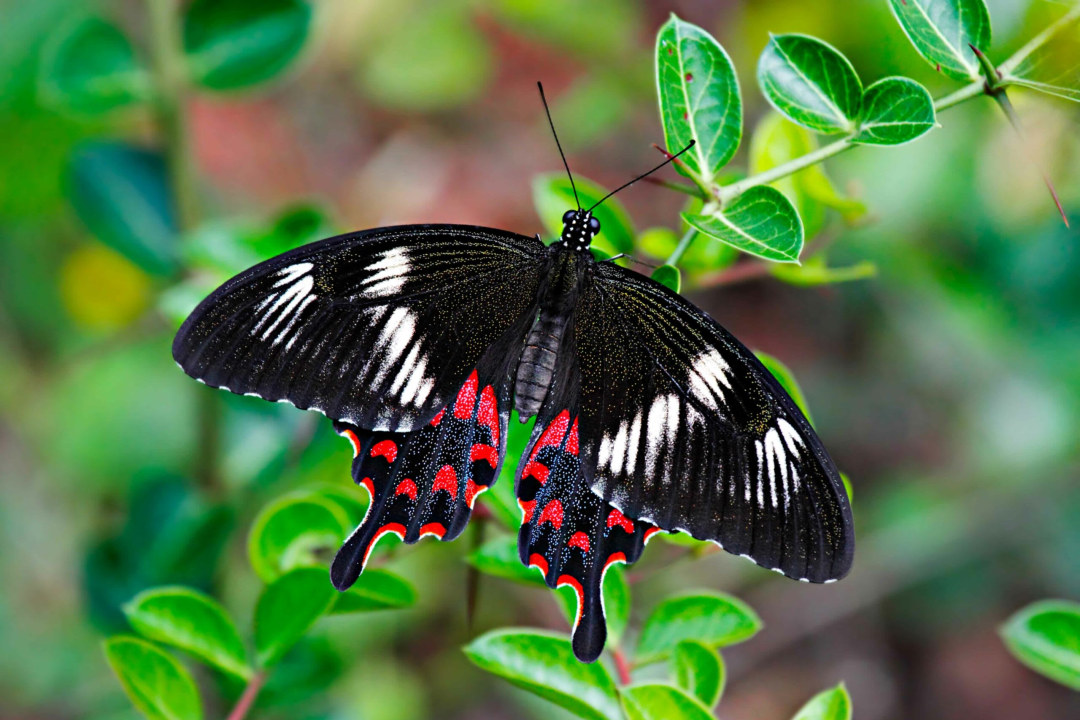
425,482
407,338
683,428
568,531
378,329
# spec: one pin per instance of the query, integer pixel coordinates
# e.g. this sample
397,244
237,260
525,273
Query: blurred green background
947,387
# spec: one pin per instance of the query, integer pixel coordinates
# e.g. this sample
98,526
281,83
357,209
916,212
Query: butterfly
418,340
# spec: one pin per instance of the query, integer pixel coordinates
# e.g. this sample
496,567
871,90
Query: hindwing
425,482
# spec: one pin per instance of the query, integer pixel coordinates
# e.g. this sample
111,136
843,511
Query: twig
1038,41
680,249
170,87
622,666
247,699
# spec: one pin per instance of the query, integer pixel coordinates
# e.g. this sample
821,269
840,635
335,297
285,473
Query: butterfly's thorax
539,357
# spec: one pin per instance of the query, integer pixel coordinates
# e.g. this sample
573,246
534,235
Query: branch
1038,41
247,699
728,193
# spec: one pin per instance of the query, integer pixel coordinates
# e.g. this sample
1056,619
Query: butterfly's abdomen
537,364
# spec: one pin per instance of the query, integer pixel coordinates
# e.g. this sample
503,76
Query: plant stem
728,193
680,249
247,699
955,98
622,666
1038,41
170,87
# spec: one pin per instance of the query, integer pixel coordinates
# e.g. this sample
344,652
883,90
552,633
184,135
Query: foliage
204,643
1045,636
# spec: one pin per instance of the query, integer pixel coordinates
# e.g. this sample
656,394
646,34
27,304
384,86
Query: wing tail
569,533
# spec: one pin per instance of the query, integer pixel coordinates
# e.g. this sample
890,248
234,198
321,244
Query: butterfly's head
579,227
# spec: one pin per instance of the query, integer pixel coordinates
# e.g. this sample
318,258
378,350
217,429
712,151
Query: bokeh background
946,387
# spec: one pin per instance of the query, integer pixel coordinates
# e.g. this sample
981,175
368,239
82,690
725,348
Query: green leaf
236,43
848,489
90,67
669,276
896,110
699,97
761,222
289,533
122,196
286,609
662,702
191,621
544,664
158,685
1054,66
499,557
1045,636
699,670
553,196
786,378
376,590
815,272
616,598
811,83
942,30
834,704
717,620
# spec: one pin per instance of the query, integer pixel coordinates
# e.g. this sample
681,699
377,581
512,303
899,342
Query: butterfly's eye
568,216
594,224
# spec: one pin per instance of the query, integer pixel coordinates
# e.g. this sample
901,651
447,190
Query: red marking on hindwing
553,434
573,582
445,479
579,540
617,518
351,436
649,533
528,507
537,560
395,528
484,452
488,413
406,487
436,529
437,419
614,558
536,470
471,491
552,513
572,441
386,449
466,399
369,486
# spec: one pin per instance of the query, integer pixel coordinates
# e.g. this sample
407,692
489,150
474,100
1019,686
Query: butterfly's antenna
557,144
639,177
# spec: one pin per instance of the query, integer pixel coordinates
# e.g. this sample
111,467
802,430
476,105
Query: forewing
378,329
682,427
